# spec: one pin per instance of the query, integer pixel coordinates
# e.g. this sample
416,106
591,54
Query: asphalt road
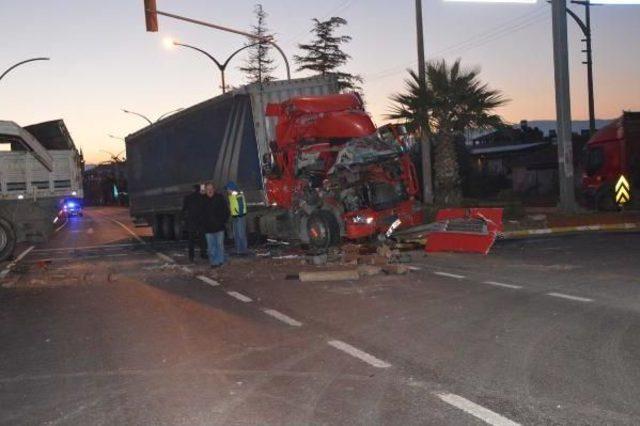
102,326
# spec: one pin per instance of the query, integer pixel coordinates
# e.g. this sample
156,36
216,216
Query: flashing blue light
70,205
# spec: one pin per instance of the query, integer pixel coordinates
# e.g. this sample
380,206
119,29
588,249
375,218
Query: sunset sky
103,60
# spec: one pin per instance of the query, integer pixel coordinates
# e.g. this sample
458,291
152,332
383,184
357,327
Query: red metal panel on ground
466,242
460,243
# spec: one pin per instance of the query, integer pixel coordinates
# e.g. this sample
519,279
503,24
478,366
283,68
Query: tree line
453,100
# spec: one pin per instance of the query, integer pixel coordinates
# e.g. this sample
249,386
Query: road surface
102,326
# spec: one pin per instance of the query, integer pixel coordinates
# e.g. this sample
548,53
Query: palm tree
454,100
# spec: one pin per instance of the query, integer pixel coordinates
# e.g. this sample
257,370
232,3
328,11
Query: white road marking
21,256
241,297
123,226
448,275
570,297
208,280
282,317
499,284
187,270
357,353
475,410
165,257
66,220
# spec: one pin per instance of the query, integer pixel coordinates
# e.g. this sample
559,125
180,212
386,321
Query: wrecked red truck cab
339,175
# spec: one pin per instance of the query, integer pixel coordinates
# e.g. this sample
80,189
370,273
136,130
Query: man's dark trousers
197,238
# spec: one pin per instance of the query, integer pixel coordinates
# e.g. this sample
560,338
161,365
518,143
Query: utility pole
585,27
425,143
563,106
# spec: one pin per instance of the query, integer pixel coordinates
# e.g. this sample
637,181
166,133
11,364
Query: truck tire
167,227
7,239
323,230
157,227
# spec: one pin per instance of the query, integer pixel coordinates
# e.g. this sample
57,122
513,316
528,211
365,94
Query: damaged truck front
335,175
310,162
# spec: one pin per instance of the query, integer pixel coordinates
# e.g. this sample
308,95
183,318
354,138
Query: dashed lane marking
504,285
208,280
21,256
570,297
282,317
241,297
475,410
449,275
357,353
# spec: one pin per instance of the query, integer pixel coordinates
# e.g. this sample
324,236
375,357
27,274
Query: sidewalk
558,223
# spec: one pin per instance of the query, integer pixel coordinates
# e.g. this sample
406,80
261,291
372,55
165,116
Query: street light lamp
116,137
21,63
221,66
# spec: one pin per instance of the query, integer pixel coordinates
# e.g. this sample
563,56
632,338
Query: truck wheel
323,230
157,227
7,239
167,227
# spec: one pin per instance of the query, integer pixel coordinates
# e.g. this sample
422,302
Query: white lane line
448,275
282,317
241,297
66,220
165,257
187,270
126,228
207,280
499,284
475,410
21,256
357,353
570,297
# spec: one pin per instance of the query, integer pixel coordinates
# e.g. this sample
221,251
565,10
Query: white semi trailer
34,181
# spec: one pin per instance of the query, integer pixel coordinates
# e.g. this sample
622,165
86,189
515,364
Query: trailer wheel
7,239
178,229
167,227
157,227
323,230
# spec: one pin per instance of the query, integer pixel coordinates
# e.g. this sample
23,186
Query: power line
476,40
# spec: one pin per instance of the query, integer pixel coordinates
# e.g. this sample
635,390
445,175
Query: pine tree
324,54
259,65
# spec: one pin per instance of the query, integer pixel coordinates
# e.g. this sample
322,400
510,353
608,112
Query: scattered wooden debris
347,275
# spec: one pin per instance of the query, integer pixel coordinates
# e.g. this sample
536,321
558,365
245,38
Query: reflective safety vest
237,204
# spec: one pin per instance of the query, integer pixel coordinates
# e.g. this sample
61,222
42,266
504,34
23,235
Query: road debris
318,276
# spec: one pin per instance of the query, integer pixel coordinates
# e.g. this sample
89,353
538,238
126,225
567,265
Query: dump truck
36,176
311,163
613,151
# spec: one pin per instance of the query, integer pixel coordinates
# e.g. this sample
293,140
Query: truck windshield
595,159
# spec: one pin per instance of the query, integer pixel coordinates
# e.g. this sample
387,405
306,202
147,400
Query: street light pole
147,118
139,115
425,145
21,63
221,66
563,105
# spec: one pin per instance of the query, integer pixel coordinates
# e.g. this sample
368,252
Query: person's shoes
215,266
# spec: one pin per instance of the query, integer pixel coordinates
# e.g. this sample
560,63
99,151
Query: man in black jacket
215,217
192,213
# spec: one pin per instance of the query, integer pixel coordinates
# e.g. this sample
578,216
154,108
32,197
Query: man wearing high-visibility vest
238,209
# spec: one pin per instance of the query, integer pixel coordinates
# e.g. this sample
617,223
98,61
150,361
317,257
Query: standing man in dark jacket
192,213
215,217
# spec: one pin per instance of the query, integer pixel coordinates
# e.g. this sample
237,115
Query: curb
568,230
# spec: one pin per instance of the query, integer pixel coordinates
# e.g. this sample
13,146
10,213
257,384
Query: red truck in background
613,151
336,173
